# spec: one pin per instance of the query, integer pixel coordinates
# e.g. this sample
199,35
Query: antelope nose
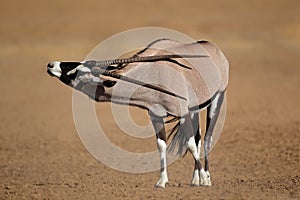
50,65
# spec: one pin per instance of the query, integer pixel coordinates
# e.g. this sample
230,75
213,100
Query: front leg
159,128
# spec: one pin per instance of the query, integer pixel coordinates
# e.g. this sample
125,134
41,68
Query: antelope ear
83,69
109,83
79,68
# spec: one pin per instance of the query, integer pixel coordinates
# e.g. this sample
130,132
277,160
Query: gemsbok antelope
167,78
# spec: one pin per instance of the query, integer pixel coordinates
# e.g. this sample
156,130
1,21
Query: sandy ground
41,155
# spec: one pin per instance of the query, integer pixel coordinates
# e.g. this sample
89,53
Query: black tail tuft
179,141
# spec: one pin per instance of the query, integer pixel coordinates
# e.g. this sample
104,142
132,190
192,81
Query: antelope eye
109,83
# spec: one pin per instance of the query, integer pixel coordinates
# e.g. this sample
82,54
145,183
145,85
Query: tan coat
207,76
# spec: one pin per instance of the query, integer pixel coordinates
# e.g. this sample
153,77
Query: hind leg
196,125
213,111
186,126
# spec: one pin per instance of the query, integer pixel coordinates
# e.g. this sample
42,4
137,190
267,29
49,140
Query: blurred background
257,156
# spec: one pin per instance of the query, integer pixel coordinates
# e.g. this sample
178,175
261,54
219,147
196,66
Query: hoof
161,185
162,182
206,185
205,178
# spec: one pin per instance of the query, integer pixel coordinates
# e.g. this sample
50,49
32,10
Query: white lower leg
205,179
162,147
196,179
194,150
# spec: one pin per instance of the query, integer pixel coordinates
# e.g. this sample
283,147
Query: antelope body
168,79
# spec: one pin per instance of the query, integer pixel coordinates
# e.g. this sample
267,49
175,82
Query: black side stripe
201,41
206,103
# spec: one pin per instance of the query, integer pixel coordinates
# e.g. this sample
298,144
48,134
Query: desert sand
258,153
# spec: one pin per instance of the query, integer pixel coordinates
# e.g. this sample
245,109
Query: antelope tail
179,140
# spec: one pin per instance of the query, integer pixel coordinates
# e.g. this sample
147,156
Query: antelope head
71,73
79,77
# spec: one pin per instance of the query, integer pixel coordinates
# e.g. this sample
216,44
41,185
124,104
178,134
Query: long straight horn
96,71
105,63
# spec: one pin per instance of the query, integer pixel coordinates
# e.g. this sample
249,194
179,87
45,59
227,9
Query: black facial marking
68,66
65,79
